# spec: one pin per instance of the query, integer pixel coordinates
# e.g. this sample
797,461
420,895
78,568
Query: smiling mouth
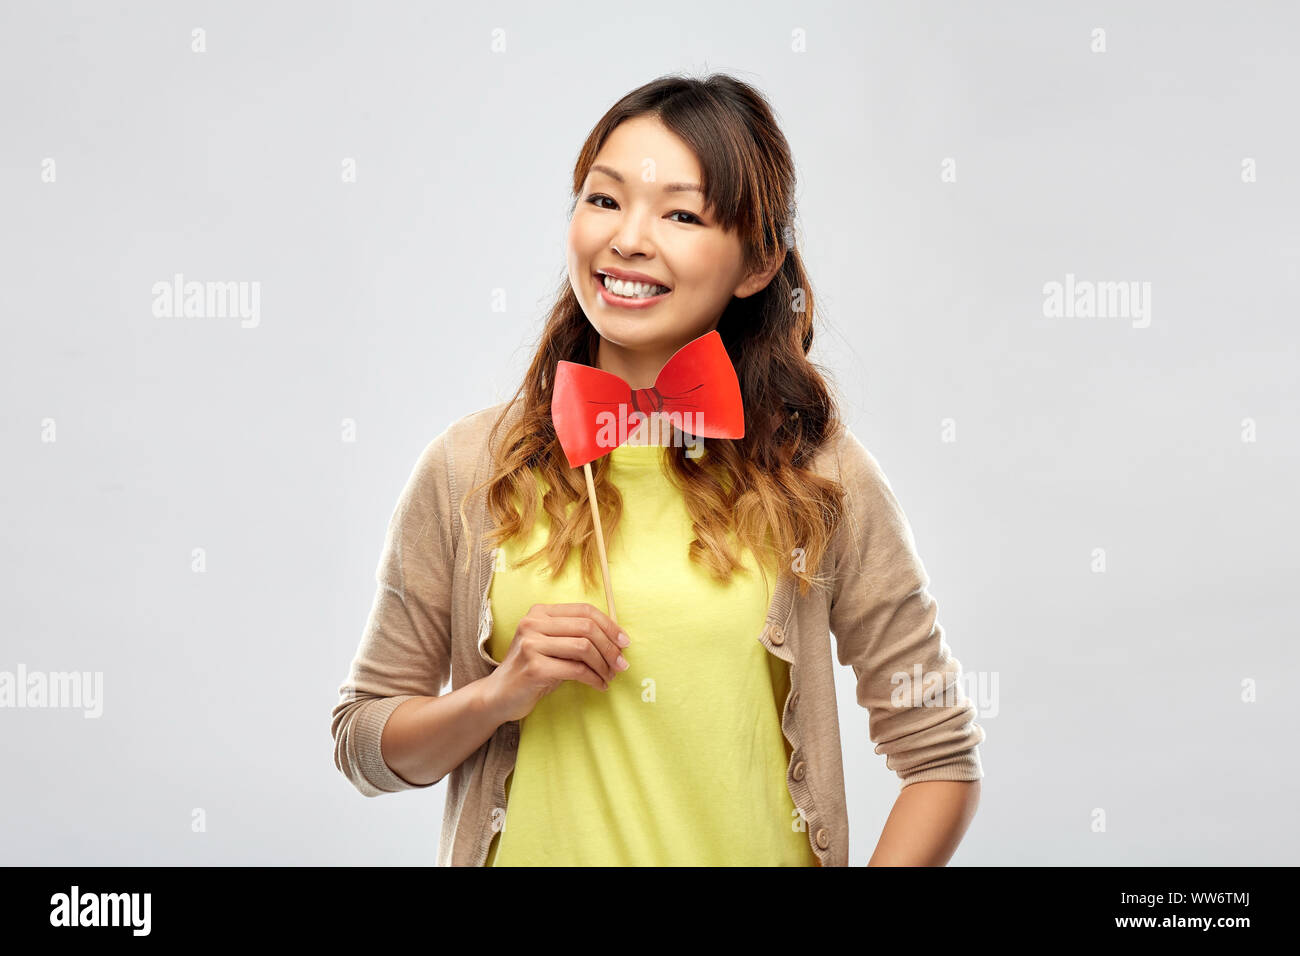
632,291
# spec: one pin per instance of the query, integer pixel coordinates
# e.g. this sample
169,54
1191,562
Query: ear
757,281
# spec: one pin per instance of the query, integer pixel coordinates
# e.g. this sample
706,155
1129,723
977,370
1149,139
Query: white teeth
632,290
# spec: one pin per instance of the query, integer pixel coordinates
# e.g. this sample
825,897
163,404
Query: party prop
696,390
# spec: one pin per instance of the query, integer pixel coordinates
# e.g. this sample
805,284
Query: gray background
1119,691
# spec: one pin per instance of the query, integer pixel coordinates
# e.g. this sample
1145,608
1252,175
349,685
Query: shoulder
869,501
453,453
447,467
844,458
461,438
470,432
459,452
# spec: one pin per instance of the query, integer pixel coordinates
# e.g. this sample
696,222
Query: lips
628,276
623,302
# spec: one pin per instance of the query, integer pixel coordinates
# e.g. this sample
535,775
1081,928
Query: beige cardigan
431,620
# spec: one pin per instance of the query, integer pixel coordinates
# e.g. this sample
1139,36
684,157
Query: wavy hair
758,487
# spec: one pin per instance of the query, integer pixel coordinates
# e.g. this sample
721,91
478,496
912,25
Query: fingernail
622,664
623,639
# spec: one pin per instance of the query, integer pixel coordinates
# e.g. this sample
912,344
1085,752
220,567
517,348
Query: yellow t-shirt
682,761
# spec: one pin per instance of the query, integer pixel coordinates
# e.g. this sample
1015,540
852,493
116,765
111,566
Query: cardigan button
822,837
777,634
799,770
794,699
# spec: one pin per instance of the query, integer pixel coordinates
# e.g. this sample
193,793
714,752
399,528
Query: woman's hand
554,643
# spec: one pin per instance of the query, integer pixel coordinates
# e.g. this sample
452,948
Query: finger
577,649
562,669
607,623
617,637
580,627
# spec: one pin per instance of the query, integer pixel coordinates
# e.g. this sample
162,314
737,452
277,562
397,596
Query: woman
700,728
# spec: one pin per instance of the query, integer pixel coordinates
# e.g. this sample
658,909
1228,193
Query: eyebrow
668,187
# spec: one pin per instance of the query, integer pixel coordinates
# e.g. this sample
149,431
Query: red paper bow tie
697,388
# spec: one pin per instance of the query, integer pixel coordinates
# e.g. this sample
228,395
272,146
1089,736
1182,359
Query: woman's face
640,211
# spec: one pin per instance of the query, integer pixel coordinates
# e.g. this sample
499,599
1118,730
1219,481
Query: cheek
570,244
581,237
703,267
577,251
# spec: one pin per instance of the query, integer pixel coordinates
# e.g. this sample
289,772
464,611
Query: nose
630,238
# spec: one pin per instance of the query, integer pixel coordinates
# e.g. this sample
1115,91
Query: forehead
643,138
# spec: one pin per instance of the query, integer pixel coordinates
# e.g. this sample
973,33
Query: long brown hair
758,486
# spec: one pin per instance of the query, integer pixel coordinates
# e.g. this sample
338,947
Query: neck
639,367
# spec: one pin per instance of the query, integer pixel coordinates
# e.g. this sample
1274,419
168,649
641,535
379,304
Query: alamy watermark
68,690
76,908
1086,299
679,428
927,689
179,299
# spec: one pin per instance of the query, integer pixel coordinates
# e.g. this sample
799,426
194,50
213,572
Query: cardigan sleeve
886,628
405,649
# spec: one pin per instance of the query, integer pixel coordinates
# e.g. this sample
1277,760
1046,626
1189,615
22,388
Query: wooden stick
600,542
